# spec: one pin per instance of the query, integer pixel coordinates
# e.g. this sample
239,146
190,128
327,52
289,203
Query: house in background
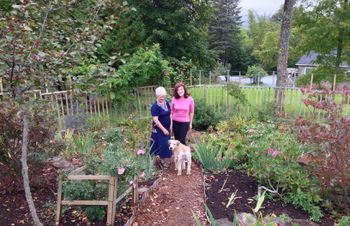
308,62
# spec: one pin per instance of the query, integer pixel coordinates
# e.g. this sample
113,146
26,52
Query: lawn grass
260,97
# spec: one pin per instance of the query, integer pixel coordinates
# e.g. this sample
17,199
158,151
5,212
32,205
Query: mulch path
174,200
247,188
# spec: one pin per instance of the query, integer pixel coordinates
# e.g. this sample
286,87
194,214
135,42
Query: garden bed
218,195
14,209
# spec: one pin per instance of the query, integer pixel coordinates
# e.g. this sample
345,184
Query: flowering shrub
328,140
272,159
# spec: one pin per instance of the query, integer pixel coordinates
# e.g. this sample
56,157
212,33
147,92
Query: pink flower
273,152
143,175
121,170
251,131
140,152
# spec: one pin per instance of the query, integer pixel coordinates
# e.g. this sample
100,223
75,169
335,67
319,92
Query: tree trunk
341,34
25,176
282,63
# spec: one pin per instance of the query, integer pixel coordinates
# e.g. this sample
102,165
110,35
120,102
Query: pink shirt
181,109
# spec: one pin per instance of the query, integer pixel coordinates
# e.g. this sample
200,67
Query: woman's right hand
166,132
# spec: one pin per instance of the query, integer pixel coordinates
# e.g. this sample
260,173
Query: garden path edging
144,196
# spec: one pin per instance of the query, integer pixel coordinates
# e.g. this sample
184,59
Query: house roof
308,59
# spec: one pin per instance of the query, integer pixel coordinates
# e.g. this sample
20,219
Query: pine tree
224,29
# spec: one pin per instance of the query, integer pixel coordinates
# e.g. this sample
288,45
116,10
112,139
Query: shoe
165,163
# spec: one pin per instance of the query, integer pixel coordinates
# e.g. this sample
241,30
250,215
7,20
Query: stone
223,222
245,219
59,163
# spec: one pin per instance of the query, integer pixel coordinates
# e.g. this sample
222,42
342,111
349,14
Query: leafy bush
87,190
272,159
181,70
236,92
41,130
322,74
328,142
255,72
205,116
145,67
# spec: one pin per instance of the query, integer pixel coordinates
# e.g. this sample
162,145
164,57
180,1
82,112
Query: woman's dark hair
176,87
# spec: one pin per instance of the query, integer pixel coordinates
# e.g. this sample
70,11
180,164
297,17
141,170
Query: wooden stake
311,80
1,86
59,201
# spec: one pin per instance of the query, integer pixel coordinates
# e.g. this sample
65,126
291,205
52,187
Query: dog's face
173,144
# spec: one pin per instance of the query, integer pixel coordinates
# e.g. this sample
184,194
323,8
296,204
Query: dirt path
174,201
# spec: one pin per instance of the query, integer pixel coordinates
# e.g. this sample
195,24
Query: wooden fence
69,103
258,98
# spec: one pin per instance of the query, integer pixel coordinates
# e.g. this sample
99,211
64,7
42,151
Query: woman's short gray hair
160,91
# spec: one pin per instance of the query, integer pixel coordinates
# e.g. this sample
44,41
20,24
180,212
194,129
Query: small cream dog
182,154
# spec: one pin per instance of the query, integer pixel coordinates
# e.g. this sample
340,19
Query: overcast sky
262,7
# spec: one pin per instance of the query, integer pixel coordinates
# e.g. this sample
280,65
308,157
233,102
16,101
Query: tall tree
179,26
264,33
324,27
224,30
283,52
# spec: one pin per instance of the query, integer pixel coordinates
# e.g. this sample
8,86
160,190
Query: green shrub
321,74
272,158
344,221
205,116
41,130
145,67
256,72
87,190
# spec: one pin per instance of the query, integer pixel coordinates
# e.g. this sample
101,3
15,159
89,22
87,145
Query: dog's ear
177,143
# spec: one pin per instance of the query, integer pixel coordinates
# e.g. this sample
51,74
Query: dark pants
180,130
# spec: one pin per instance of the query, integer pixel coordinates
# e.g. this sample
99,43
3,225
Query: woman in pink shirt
182,110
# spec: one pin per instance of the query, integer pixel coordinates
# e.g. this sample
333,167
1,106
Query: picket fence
69,103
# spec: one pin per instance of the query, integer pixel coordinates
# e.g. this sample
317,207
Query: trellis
111,201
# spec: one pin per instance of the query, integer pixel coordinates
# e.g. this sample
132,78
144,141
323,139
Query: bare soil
246,189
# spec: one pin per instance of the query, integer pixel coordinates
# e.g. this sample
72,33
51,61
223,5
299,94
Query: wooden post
67,102
227,102
110,202
228,76
311,80
98,106
334,81
115,189
1,86
191,77
209,77
200,77
59,202
135,191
